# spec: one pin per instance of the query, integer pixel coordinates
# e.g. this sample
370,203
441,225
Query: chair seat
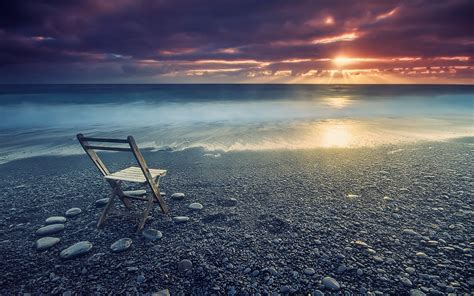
134,174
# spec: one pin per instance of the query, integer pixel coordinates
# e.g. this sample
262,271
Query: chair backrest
132,147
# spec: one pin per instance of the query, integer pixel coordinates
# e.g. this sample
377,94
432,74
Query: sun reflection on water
338,102
336,134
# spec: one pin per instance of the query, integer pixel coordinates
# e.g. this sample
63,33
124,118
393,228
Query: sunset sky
330,41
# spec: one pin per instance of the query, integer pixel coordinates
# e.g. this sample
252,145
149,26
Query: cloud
155,41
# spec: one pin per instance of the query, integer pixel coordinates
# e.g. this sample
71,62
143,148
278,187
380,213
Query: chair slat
105,140
107,148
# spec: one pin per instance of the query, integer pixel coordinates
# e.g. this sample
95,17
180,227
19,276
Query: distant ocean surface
44,119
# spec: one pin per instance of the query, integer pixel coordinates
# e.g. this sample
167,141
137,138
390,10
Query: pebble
121,245
178,196
195,206
352,195
378,259
410,232
180,219
416,292
410,270
101,202
73,212
140,278
152,234
185,265
164,292
331,284
421,255
361,244
406,282
255,273
231,202
55,220
309,271
285,289
50,229
318,293
76,250
138,192
46,243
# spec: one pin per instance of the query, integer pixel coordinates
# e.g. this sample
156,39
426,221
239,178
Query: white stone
180,219
195,206
50,229
331,284
56,220
76,250
73,212
46,242
178,196
121,245
152,234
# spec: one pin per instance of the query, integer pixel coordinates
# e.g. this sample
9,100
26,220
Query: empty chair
135,174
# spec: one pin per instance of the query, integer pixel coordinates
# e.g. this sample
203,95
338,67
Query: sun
342,61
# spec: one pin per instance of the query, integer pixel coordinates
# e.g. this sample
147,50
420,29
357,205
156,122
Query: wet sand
394,220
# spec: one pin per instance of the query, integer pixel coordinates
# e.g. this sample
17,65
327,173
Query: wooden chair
135,174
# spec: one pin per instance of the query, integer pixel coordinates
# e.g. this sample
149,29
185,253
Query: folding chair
141,174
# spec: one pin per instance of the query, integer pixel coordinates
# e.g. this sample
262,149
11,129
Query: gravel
292,213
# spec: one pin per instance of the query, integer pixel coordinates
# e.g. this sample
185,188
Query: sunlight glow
335,134
338,103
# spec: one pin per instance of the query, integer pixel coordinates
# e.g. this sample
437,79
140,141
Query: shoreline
295,210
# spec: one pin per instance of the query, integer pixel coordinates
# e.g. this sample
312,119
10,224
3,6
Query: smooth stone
73,212
406,282
410,270
46,242
76,250
185,265
352,195
421,255
101,202
378,259
139,192
121,245
255,273
178,196
164,292
50,229
361,244
416,292
318,293
410,232
152,234
309,271
56,220
180,219
195,206
140,278
231,202
331,284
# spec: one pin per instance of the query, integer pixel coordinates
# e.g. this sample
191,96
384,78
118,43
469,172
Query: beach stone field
392,220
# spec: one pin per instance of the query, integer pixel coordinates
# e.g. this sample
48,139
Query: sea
38,120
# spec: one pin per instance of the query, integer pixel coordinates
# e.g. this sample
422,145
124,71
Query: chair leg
106,210
146,212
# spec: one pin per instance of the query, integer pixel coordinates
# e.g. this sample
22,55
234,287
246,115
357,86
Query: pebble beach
392,220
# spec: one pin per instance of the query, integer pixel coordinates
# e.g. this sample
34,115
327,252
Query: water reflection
336,134
338,102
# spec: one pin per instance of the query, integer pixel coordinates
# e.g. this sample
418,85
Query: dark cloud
129,40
